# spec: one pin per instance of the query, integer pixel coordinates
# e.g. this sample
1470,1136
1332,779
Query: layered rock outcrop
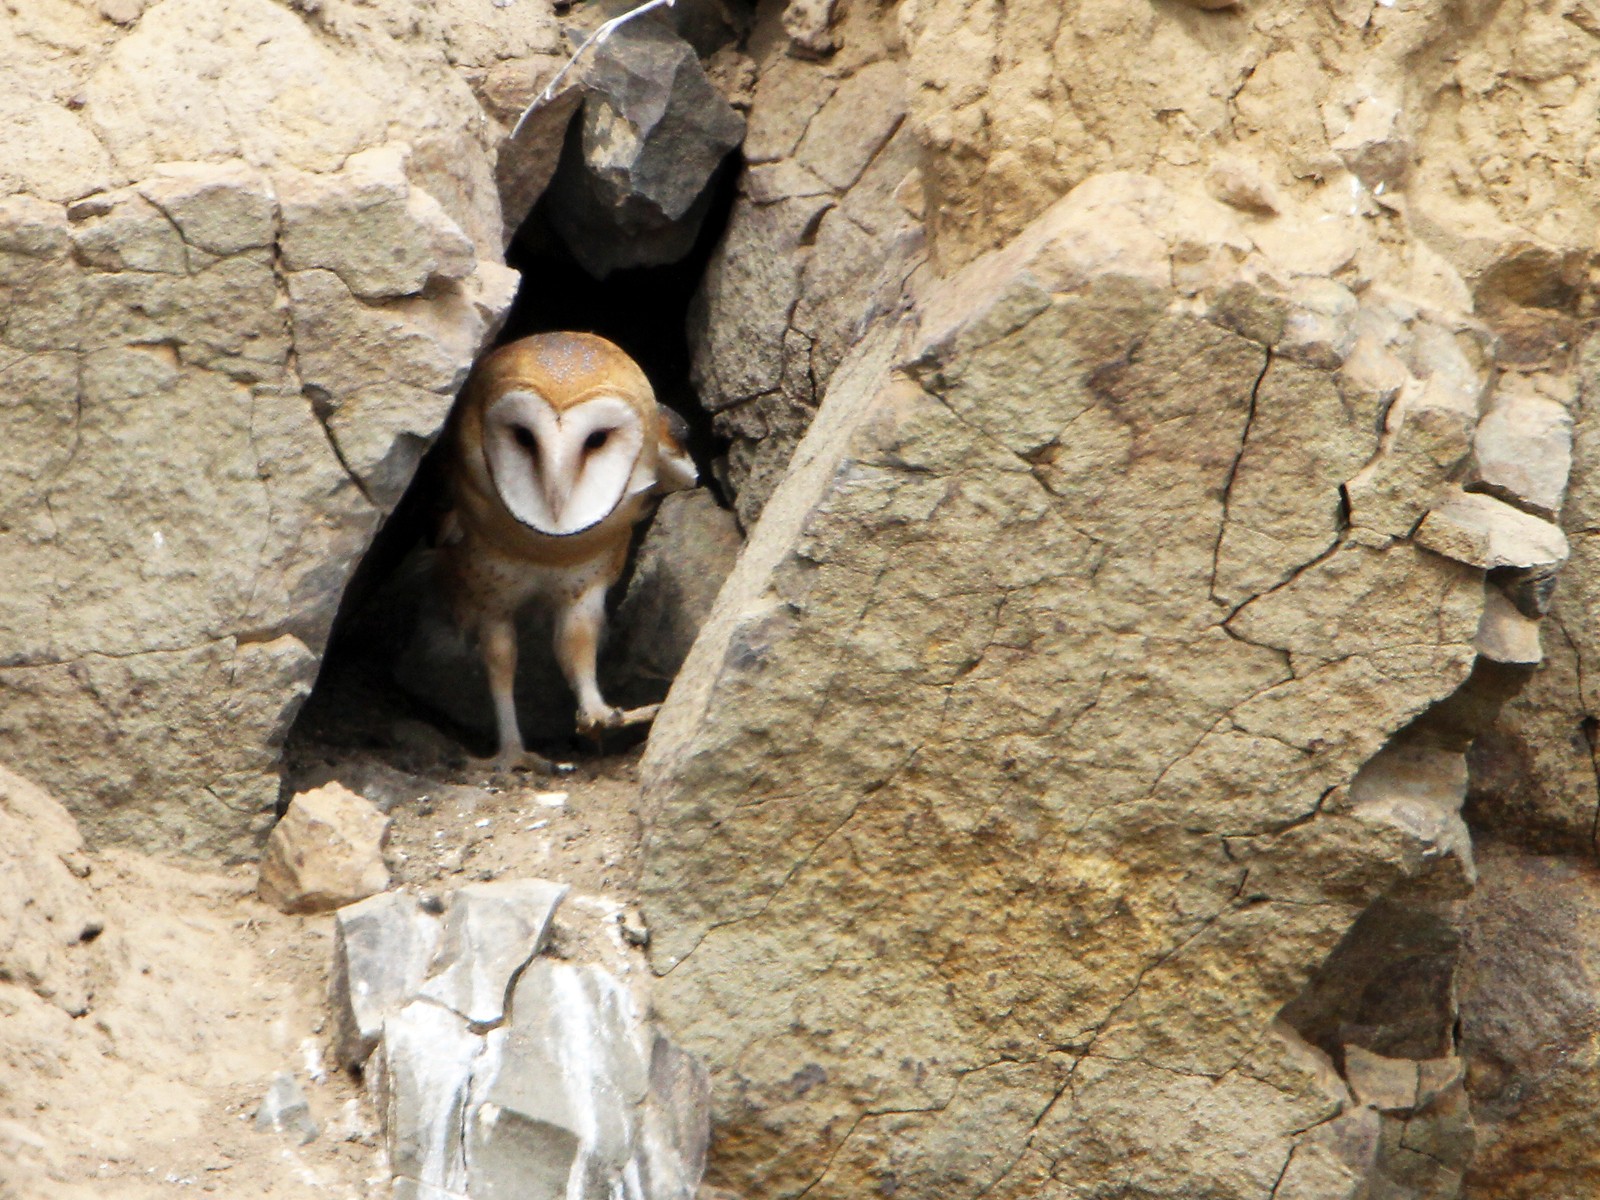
231,329
1049,731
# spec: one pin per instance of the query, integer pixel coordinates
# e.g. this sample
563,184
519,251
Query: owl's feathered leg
578,627
498,640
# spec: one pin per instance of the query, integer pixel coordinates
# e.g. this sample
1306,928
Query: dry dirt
202,992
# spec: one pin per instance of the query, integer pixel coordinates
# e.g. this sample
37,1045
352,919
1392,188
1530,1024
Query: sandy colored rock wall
237,310
1047,734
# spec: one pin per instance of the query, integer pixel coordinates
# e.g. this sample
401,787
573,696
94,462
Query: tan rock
47,914
966,764
1241,183
1523,453
217,208
326,852
1506,635
1489,533
383,237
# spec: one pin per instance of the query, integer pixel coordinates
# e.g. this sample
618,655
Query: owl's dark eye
595,440
525,439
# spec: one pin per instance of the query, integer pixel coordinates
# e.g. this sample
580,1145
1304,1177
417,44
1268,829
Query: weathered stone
326,852
285,1109
128,233
217,208
1533,773
1080,834
1523,452
528,161
808,22
1388,986
573,1095
387,376
1242,183
685,557
46,912
176,518
1387,1084
561,1100
818,249
491,931
631,190
1505,635
1527,983
1489,533
420,1076
367,224
1426,440
1370,138
382,949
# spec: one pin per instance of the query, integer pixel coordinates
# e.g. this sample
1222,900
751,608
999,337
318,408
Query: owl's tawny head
568,428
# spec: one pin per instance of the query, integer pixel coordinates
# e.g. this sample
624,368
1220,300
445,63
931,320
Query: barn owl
557,449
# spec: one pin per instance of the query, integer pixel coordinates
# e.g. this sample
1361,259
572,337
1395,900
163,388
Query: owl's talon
592,725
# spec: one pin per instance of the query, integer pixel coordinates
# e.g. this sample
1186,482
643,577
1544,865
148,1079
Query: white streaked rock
491,930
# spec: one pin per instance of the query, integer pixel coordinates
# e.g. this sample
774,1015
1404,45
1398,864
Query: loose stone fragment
1489,533
1386,1084
286,1110
326,852
1505,635
1523,453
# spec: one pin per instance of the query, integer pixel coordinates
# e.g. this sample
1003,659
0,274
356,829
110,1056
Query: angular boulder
632,186
1009,792
504,1074
326,852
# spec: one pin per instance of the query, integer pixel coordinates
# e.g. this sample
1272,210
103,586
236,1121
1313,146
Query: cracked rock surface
233,322
1017,780
499,1073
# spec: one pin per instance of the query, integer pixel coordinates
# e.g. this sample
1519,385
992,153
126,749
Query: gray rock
528,161
381,951
1489,533
491,930
424,1070
631,191
684,559
576,1097
573,1096
286,1110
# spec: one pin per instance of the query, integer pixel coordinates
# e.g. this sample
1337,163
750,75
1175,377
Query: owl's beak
558,482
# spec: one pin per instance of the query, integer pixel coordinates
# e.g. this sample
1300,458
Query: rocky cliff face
239,305
1152,425
1096,684
1076,694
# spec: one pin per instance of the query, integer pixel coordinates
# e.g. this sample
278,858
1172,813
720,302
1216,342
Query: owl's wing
675,470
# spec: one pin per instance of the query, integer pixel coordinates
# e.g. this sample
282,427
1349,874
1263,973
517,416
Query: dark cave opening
361,699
